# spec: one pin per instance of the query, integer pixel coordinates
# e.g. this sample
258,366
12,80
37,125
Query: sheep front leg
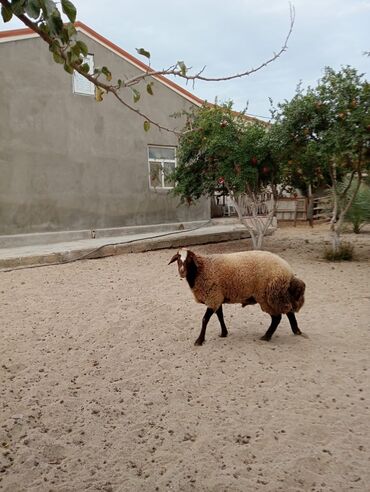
220,316
293,323
206,318
275,320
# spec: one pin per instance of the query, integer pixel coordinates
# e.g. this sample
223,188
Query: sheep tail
296,291
277,296
284,295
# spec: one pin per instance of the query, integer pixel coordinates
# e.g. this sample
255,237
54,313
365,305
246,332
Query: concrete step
65,252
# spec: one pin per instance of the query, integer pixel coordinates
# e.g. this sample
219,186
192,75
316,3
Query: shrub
343,253
359,213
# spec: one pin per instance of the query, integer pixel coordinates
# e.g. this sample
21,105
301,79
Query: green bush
343,253
359,213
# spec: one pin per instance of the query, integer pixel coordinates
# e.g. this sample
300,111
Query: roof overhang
17,35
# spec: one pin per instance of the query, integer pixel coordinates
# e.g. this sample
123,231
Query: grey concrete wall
70,163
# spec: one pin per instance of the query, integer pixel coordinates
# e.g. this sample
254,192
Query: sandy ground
103,390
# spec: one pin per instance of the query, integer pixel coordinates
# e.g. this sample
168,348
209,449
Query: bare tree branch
176,71
252,70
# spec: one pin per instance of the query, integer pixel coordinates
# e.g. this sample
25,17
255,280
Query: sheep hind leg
220,316
275,320
293,323
202,335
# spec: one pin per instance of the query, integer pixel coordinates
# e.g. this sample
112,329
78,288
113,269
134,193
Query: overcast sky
232,36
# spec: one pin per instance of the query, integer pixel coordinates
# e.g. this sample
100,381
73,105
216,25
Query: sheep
246,278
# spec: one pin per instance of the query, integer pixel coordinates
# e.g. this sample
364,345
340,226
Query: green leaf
55,23
73,56
146,125
85,67
48,8
69,9
6,13
136,95
68,33
119,83
54,47
143,52
68,68
58,58
71,30
18,7
183,68
98,94
83,49
149,88
44,28
107,73
33,9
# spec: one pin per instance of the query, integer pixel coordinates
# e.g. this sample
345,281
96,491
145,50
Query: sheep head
186,261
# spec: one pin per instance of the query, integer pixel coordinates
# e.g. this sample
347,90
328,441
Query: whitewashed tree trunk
256,225
341,204
243,220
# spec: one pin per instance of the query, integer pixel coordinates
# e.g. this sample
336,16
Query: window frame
162,162
89,56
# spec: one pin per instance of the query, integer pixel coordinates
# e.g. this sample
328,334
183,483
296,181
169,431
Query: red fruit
254,161
265,170
221,180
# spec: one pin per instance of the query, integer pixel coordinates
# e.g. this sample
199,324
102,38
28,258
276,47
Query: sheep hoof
265,338
198,342
303,335
223,335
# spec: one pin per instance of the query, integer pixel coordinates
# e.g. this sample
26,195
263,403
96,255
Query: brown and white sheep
251,277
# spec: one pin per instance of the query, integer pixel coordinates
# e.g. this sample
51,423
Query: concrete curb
135,246
35,239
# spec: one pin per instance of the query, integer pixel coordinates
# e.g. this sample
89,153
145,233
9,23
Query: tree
359,213
223,151
45,18
325,136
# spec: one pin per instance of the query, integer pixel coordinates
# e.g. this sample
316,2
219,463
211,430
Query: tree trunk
340,207
259,226
310,206
243,221
335,239
260,239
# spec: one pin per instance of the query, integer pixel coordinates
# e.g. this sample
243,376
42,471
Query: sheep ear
174,258
192,257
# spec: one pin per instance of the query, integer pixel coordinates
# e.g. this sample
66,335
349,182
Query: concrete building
69,163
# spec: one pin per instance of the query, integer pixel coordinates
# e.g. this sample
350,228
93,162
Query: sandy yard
102,388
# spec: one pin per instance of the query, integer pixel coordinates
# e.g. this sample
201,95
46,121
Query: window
82,85
162,163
